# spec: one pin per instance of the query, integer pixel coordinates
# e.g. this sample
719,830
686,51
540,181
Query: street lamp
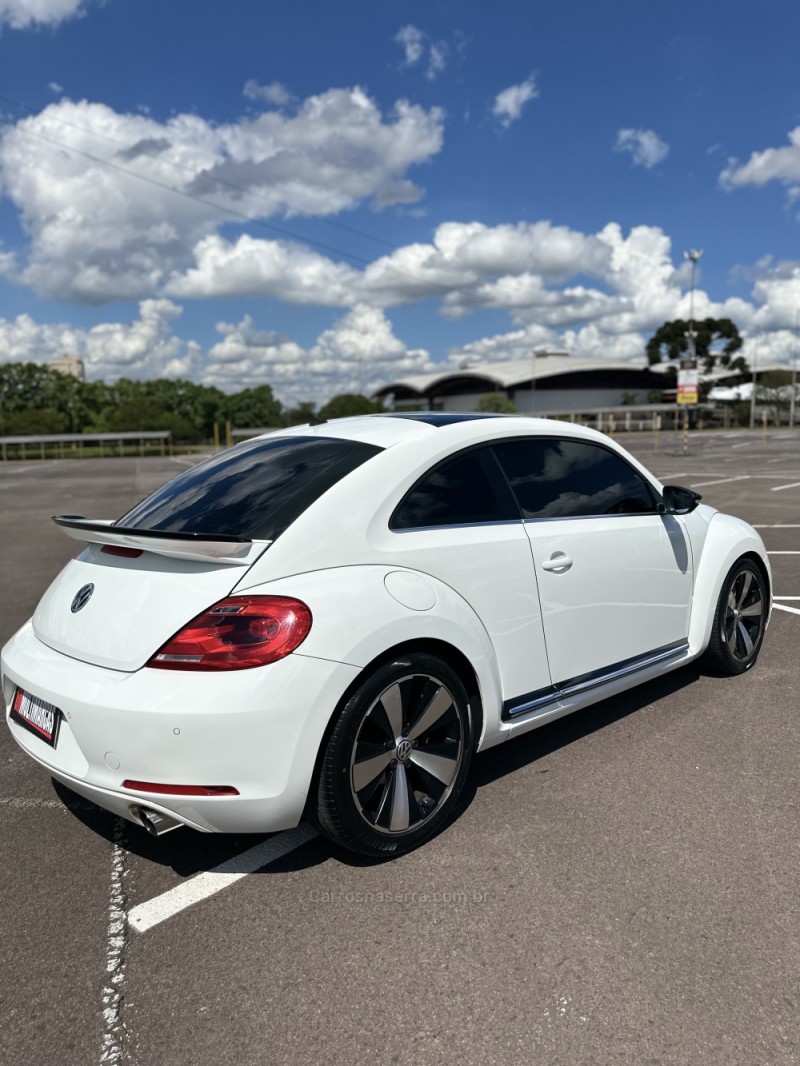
794,368
753,393
693,256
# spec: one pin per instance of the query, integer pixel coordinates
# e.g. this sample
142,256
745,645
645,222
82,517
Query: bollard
228,437
685,432
216,436
611,425
764,429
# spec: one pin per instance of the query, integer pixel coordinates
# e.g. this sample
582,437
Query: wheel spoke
398,786
392,700
748,580
753,611
732,600
441,702
442,769
748,644
730,631
399,799
368,770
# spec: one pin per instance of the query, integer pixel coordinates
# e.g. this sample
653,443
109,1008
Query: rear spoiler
201,547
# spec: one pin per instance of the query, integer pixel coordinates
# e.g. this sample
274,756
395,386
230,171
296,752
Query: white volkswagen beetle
332,619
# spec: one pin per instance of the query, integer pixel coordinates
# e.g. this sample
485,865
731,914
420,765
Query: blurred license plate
34,714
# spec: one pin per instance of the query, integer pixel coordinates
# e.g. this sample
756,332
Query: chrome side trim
624,669
515,708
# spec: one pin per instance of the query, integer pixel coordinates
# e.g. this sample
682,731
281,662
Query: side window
565,479
465,489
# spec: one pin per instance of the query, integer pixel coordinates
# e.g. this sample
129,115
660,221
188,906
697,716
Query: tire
396,759
739,620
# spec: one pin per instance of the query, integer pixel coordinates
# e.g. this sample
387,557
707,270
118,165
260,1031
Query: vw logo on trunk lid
82,597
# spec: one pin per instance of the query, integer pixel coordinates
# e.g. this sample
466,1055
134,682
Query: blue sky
333,196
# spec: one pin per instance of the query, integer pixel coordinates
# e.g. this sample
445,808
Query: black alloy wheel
397,757
739,620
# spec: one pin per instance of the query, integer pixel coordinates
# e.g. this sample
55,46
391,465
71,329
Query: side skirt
545,704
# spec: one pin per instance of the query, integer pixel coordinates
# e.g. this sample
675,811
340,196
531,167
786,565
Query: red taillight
237,633
180,790
119,549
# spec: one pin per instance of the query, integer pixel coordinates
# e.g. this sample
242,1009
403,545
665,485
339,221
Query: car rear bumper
257,731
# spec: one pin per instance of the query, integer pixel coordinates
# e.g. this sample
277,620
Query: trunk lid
135,605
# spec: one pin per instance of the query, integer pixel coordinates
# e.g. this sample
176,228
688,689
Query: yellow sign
687,386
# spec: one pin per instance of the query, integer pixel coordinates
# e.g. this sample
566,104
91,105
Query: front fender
728,539
356,619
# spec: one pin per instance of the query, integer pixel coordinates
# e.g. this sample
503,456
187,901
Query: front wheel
396,759
739,620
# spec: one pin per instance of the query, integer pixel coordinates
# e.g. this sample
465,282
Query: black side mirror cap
678,500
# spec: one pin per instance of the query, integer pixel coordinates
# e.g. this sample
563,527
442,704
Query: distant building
68,364
550,381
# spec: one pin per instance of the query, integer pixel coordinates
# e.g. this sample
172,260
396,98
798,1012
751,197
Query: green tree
138,413
496,403
253,408
34,420
716,340
298,416
350,403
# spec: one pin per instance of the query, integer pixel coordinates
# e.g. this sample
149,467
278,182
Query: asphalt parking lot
620,887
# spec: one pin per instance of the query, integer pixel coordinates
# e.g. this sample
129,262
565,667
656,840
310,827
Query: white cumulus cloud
412,41
274,93
416,43
255,267
23,14
644,146
772,164
508,104
94,187
358,353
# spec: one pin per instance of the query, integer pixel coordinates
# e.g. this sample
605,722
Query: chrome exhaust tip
155,823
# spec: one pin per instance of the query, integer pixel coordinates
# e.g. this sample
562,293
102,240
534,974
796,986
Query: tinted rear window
255,490
466,489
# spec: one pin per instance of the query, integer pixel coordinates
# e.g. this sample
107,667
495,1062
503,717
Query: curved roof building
552,381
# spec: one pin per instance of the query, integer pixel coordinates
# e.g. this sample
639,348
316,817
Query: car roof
390,429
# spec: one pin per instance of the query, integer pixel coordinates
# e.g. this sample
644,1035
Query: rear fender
728,540
361,612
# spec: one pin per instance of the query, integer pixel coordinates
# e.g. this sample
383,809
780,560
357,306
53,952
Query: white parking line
784,607
113,1029
786,597
723,481
784,553
157,910
779,525
780,488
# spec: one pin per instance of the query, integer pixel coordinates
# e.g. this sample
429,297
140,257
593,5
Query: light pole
794,368
694,256
753,393
533,381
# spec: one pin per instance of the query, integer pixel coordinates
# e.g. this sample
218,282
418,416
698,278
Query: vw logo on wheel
403,751
82,597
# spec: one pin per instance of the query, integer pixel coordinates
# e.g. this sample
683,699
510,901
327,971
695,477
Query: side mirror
678,500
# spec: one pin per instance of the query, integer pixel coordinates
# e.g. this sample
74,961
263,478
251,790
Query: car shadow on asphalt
188,853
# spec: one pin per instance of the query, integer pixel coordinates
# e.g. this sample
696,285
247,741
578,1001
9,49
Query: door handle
558,563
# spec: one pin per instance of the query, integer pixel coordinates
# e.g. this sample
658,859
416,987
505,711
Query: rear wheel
739,620
397,758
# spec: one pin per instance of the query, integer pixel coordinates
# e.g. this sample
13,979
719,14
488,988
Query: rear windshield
254,490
